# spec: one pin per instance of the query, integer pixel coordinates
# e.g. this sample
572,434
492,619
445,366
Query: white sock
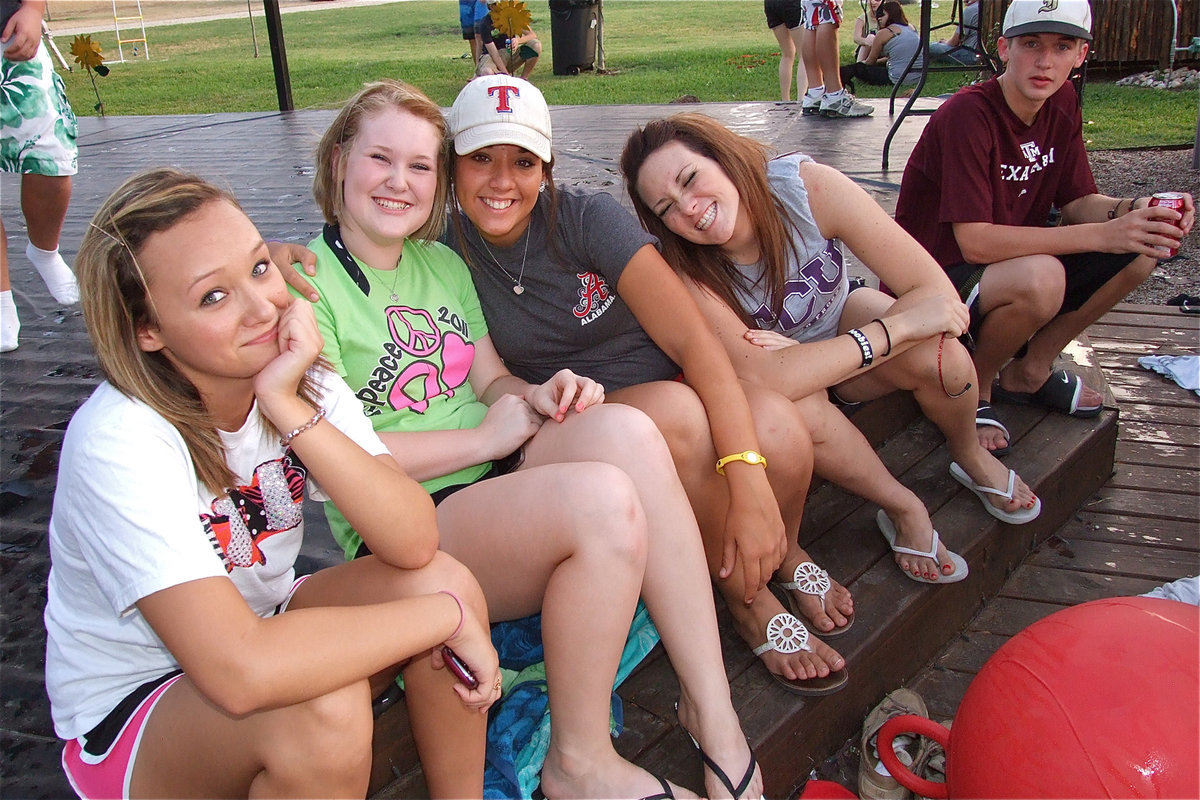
10,325
815,92
835,95
55,272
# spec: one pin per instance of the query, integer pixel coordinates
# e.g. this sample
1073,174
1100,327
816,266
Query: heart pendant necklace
518,287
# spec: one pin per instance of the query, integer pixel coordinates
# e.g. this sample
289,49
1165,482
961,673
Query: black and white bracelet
868,355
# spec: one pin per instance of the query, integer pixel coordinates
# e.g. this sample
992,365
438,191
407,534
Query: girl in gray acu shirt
758,243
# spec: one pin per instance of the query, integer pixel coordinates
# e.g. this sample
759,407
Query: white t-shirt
130,518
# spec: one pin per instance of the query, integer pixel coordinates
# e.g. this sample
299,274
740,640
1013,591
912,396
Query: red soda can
1173,200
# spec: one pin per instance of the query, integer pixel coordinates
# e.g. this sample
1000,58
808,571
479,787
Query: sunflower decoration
511,17
88,55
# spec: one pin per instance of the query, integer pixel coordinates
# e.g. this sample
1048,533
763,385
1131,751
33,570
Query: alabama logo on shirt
594,297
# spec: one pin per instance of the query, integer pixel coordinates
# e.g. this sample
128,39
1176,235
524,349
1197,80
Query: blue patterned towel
519,725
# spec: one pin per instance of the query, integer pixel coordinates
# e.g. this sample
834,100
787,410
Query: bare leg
843,456
808,54
827,55
801,75
4,284
44,201
787,61
1016,297
917,371
319,748
679,415
10,324
676,588
1027,374
450,737
568,540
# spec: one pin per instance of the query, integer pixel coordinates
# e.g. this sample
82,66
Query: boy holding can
977,193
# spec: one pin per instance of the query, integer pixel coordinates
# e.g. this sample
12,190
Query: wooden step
901,625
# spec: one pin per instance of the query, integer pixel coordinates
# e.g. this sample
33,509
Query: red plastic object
826,790
1098,700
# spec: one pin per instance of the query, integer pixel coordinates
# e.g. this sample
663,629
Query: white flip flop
889,532
1019,517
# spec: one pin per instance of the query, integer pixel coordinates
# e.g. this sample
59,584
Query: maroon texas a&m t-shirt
977,162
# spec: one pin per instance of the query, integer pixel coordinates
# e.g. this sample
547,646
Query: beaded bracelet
868,355
287,438
886,333
462,615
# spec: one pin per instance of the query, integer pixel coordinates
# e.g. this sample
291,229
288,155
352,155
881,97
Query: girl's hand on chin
300,343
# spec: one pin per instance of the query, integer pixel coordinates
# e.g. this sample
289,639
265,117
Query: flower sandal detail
787,635
811,579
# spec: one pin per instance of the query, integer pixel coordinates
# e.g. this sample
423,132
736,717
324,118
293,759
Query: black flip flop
716,769
1060,392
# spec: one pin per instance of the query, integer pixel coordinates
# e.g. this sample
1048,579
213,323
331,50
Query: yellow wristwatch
749,456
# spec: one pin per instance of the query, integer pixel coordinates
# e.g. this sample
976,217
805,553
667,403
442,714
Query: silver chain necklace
395,279
518,287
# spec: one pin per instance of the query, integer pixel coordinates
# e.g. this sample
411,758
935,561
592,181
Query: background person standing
37,140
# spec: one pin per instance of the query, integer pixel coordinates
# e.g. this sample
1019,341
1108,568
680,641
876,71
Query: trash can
573,35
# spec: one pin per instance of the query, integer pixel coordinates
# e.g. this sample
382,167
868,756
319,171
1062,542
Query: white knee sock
10,325
55,272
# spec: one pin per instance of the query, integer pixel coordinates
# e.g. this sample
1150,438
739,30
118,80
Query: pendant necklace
518,287
395,279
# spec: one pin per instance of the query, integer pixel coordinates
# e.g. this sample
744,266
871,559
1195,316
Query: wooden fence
1133,33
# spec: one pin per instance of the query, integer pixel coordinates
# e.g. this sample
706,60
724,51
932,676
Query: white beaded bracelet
286,439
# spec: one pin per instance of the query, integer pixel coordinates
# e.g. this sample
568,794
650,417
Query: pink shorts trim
282,607
108,776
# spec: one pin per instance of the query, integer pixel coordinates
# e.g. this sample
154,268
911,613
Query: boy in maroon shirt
978,190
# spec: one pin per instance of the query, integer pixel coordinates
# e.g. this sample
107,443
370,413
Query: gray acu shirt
569,314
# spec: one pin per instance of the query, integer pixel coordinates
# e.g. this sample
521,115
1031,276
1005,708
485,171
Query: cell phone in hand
459,668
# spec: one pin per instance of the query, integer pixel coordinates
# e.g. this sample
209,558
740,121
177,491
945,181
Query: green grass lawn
655,51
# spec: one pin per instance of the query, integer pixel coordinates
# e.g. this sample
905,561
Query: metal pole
600,68
253,37
283,79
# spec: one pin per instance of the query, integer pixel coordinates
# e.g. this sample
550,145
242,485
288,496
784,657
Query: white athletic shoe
847,105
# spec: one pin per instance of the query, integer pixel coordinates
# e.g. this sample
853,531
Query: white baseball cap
1068,17
500,109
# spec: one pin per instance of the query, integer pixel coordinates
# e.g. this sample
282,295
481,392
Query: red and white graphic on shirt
246,516
594,297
